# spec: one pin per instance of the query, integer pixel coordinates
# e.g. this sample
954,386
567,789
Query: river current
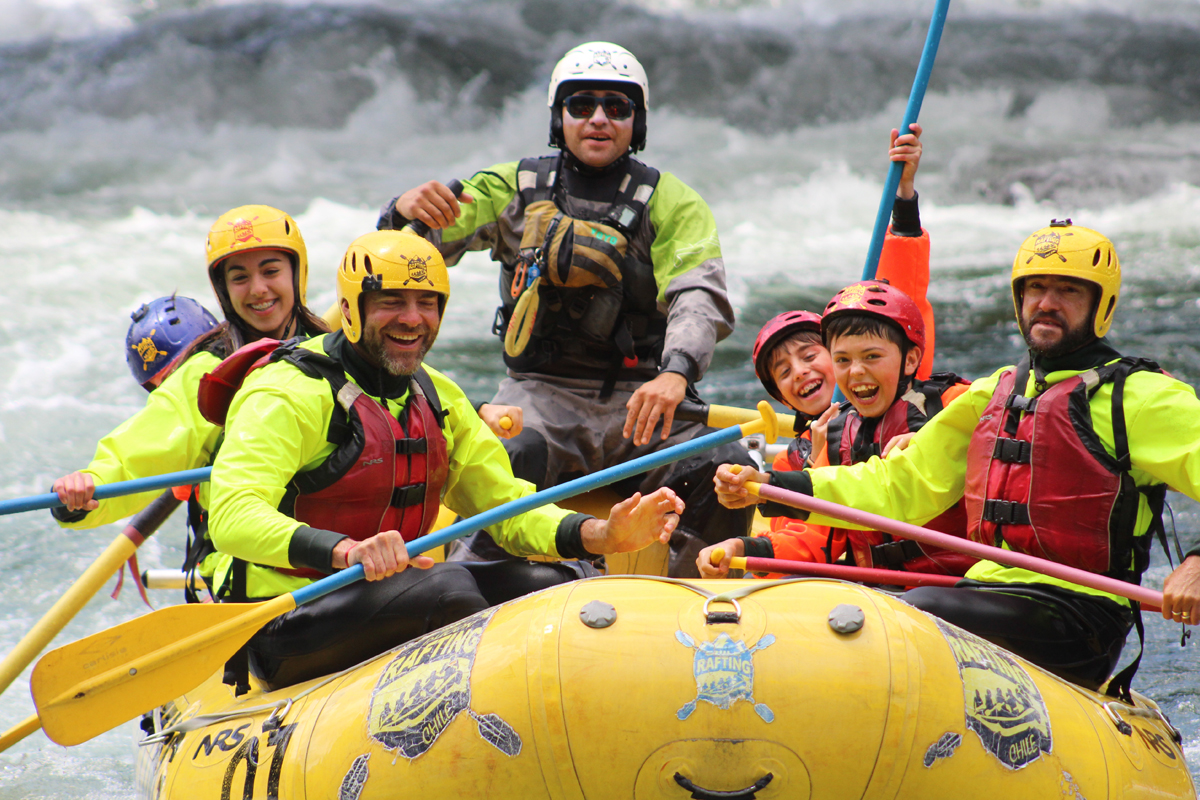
126,127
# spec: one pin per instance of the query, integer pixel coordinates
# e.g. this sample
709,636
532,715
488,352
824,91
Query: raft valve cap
598,614
846,618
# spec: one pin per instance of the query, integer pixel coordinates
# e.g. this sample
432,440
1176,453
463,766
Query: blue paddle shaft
517,507
915,98
50,499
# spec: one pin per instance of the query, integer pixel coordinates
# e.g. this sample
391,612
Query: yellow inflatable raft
625,687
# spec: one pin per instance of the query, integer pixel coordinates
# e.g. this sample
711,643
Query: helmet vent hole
1112,301
367,265
287,228
876,289
1096,257
874,301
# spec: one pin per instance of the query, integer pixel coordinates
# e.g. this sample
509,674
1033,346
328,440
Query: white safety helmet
599,65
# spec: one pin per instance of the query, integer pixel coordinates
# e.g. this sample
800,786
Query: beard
402,364
1071,339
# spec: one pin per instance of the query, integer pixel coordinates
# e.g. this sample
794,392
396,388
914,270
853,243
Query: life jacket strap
1003,512
408,447
893,555
405,496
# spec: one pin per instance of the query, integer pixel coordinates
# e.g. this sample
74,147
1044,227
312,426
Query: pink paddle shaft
888,577
1147,597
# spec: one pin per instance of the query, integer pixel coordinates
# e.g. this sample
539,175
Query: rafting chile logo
724,670
1046,245
147,351
1003,704
427,685
418,269
243,230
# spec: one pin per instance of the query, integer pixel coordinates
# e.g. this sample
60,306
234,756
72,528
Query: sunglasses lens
582,106
617,107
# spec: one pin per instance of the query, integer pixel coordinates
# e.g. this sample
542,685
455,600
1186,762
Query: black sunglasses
583,106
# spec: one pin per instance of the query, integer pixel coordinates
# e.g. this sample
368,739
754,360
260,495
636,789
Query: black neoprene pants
367,618
1076,636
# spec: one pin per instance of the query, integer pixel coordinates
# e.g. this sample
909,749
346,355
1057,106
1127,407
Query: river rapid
127,126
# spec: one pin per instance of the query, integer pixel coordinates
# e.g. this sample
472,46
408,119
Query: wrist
593,534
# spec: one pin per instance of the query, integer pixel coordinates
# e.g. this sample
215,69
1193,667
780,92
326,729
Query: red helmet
882,300
772,334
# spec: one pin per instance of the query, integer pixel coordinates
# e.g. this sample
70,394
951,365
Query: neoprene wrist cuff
758,546
313,548
568,540
794,481
681,364
389,218
906,216
1195,551
62,515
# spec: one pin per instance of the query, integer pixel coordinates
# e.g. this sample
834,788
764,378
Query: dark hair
853,323
807,338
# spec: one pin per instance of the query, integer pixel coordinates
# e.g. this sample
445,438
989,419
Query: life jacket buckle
1012,451
405,496
894,555
1003,512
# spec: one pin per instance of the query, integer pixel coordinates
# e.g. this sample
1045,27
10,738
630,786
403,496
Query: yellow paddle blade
92,685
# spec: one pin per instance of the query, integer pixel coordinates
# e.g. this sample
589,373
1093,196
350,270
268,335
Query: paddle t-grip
420,228
506,422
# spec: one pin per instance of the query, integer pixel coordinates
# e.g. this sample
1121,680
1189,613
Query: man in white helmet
612,291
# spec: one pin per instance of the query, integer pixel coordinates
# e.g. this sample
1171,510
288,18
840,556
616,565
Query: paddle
888,577
139,529
912,111
915,98
118,489
715,416
1150,599
90,686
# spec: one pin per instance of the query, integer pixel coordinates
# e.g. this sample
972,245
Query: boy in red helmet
791,360
875,334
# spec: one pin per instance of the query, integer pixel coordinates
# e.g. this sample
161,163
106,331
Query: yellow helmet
388,260
1074,252
256,228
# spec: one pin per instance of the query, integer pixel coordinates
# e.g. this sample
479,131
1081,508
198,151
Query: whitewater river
126,127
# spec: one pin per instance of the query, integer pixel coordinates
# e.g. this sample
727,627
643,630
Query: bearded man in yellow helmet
337,451
612,289
1066,456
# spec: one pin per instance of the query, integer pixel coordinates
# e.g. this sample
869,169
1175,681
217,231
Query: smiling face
1056,314
597,141
868,369
261,289
399,327
803,373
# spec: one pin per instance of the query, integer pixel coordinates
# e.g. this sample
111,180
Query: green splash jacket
920,482
278,425
167,435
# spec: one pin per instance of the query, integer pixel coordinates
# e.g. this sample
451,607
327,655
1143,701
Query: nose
598,116
407,314
258,284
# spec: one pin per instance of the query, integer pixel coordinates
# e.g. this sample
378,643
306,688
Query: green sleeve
480,478
167,435
277,426
478,225
685,232
918,483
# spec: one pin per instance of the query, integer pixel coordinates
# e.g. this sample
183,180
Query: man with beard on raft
1066,456
337,451
612,290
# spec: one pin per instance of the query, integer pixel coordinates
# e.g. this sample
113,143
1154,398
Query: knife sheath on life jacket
386,473
577,295
852,440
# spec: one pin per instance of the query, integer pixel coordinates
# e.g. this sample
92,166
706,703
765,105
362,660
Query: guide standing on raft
613,294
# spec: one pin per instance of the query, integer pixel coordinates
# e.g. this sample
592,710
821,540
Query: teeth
865,391
262,306
810,387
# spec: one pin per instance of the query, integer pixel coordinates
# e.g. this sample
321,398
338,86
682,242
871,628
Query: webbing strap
893,555
405,496
1003,512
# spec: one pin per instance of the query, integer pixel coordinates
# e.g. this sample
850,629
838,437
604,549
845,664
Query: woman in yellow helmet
258,266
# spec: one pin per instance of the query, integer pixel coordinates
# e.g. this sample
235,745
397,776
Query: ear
346,309
912,360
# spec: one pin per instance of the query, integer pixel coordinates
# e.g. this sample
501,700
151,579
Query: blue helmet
161,330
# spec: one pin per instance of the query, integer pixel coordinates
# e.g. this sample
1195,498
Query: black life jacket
597,302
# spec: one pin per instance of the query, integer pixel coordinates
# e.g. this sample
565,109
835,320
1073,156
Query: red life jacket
1039,478
386,473
852,440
